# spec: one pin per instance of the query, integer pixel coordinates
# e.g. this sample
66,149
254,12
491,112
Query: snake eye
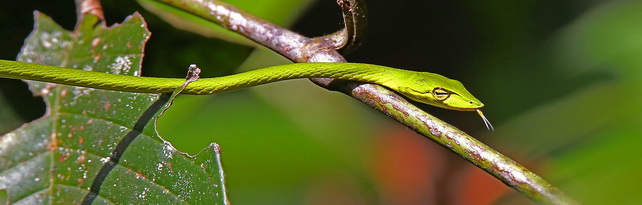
440,94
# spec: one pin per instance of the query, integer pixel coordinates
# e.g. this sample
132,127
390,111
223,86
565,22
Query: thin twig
355,21
302,49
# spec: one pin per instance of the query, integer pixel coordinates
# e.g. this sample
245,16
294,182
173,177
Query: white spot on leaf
122,64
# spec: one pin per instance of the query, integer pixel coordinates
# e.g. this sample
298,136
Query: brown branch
355,21
302,49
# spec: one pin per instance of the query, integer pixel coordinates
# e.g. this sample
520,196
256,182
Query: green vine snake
424,87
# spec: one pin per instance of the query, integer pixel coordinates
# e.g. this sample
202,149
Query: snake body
429,88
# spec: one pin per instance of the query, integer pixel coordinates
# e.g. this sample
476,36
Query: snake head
437,90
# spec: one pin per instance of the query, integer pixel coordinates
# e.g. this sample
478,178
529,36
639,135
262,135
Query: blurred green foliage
560,80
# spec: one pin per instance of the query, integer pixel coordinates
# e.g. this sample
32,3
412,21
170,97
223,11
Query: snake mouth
486,121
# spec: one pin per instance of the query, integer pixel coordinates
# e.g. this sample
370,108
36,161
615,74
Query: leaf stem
93,7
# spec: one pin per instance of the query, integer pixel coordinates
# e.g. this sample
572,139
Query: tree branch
323,49
355,21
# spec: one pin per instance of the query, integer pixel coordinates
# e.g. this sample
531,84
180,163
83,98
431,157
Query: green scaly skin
418,86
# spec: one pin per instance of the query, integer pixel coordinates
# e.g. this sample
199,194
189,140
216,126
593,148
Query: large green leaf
57,158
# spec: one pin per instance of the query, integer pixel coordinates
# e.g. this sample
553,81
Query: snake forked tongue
486,121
